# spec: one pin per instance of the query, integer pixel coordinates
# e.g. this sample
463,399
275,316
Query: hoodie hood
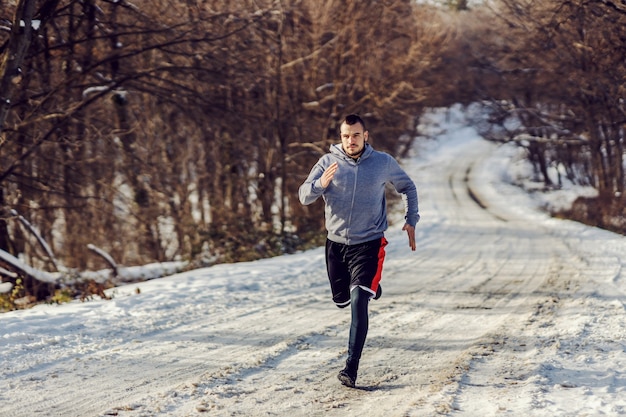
337,150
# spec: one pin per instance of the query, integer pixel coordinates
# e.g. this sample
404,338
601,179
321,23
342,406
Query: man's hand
328,174
410,230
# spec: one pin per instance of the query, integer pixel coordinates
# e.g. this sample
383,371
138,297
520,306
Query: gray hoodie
355,199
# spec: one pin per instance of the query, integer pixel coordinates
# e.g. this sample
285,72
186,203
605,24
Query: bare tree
555,66
160,130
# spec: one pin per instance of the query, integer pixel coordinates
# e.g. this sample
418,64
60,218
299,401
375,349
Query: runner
351,179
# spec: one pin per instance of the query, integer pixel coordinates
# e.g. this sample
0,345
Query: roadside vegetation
136,132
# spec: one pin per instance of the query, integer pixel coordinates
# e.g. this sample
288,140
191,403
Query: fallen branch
39,238
104,255
20,266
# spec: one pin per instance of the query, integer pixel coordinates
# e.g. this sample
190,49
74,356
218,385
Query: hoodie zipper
356,176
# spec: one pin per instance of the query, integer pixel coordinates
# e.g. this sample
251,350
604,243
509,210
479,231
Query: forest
166,130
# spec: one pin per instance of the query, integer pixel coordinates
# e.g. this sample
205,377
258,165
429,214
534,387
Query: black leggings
359,299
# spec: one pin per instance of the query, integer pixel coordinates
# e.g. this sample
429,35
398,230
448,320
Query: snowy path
501,311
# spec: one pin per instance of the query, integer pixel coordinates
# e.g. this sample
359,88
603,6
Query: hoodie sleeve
312,188
405,186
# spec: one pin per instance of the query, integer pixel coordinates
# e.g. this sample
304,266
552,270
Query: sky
501,311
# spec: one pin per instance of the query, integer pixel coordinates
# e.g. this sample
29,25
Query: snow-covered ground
502,310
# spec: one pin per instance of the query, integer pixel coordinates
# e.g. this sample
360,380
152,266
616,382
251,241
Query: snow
502,310
6,287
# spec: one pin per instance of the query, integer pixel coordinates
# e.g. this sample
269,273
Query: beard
354,152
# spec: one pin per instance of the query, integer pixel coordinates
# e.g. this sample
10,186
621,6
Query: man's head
353,136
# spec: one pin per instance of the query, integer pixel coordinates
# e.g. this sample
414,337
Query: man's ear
366,135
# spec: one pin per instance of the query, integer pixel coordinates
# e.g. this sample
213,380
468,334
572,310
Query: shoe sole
346,380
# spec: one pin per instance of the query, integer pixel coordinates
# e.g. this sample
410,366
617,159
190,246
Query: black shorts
350,266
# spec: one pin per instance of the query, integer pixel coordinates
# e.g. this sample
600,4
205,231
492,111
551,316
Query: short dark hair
353,119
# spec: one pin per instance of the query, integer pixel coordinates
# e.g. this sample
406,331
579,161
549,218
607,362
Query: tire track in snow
532,355
240,384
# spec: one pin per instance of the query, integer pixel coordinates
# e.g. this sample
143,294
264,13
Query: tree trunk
19,42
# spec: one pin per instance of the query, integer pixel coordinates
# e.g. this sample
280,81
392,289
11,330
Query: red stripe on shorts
379,270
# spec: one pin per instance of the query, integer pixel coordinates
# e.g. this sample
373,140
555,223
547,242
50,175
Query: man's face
353,139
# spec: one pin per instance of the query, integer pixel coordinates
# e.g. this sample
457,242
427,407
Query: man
351,179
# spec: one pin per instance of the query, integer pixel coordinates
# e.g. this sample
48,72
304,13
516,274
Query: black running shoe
379,292
347,379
